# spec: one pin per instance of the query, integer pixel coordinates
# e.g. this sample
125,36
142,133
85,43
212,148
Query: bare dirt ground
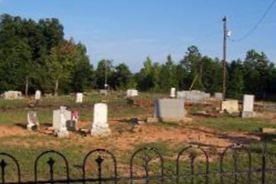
125,137
6,131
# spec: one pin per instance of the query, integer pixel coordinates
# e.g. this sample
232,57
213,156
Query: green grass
75,154
235,124
15,111
27,148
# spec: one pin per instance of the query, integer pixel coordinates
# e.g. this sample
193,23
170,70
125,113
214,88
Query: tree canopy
35,55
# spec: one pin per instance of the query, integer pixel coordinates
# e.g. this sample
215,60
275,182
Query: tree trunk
27,86
56,87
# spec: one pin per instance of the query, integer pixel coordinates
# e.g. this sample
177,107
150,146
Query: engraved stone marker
100,125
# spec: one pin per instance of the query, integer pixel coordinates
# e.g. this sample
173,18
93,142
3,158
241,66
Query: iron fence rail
148,155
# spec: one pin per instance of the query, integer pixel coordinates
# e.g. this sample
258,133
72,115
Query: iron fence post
264,153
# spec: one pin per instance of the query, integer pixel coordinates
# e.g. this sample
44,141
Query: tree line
35,55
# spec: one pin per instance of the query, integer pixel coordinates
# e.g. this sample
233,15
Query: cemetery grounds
211,131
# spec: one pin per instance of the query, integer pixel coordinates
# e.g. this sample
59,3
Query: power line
250,31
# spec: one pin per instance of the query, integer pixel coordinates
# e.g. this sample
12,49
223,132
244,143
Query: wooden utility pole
225,32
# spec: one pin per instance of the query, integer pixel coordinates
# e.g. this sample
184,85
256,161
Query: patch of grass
11,104
235,124
15,111
27,148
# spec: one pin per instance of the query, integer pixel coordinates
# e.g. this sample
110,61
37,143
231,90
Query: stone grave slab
218,96
12,95
37,95
100,126
172,93
79,97
248,106
230,106
169,109
62,131
132,93
193,96
57,117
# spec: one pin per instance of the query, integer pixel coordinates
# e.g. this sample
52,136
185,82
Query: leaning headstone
100,125
169,109
79,97
37,95
248,106
230,106
172,93
12,95
132,93
32,121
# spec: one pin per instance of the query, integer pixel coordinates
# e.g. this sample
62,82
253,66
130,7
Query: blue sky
130,30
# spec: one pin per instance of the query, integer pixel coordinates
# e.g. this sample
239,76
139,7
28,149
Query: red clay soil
124,138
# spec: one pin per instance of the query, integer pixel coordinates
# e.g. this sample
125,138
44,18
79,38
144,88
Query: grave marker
12,95
132,93
218,96
57,117
100,125
32,120
37,95
193,96
173,91
79,97
230,106
169,109
62,130
72,125
248,106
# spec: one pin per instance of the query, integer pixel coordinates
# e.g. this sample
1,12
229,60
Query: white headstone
173,91
248,103
32,120
79,97
37,95
132,93
12,95
248,106
57,117
62,130
100,125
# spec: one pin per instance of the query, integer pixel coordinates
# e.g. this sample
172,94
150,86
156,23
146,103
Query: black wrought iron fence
235,164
